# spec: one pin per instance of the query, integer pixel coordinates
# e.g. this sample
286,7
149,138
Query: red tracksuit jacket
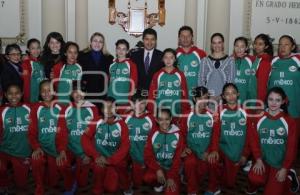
215,142
185,106
61,139
88,142
26,65
151,161
262,76
291,140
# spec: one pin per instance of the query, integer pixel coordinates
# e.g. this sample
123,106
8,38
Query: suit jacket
95,83
9,75
144,79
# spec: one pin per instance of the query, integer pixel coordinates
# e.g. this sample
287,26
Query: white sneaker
158,189
129,192
251,192
248,166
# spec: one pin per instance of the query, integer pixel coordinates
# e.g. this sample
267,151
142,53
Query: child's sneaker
72,191
128,192
254,192
292,175
159,189
213,193
248,166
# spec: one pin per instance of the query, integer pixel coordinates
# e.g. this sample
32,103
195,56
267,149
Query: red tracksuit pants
110,179
269,181
151,179
20,167
195,170
46,168
223,173
137,174
82,169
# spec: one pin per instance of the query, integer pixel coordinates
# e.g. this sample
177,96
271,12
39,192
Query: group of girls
125,153
150,140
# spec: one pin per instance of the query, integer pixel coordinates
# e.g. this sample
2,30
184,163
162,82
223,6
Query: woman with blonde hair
95,58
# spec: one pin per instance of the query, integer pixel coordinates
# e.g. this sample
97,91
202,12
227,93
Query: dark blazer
156,64
95,83
9,75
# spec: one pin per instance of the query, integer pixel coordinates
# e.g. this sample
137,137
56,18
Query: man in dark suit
148,60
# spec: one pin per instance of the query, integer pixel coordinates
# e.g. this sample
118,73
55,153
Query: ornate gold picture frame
23,14
136,20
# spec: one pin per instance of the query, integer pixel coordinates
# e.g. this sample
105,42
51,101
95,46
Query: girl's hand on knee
36,154
171,185
213,157
281,175
160,177
259,167
61,158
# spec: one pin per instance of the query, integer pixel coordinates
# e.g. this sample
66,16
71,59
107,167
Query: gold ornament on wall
136,19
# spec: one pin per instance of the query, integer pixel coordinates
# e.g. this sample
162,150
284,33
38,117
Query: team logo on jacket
176,83
193,124
194,63
125,71
280,131
42,119
9,120
157,145
264,130
209,123
242,121
146,126
247,72
115,133
293,68
69,121
174,143
252,72
99,130
78,71
118,71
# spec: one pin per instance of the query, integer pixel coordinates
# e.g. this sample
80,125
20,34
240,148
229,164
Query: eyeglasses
14,54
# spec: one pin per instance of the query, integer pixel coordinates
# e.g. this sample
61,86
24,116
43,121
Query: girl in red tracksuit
48,139
14,144
243,65
273,144
78,115
65,73
263,51
33,72
106,140
122,76
139,122
229,146
162,155
168,88
197,132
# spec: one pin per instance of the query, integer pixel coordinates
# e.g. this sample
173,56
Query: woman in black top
52,52
96,60
12,71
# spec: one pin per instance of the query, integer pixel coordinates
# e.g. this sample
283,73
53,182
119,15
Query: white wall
167,35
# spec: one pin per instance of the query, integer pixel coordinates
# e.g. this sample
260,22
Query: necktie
147,62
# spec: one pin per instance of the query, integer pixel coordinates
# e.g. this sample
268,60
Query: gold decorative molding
136,19
22,35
